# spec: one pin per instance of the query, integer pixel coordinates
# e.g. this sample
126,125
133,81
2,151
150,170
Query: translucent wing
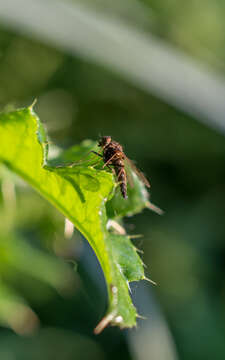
137,172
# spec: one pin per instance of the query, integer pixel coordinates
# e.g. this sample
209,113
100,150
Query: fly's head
104,141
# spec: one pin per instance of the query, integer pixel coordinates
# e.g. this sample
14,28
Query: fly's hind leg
111,169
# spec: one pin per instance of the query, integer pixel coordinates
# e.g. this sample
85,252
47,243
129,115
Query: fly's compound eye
104,140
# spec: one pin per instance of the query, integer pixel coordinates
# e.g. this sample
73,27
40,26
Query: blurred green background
54,281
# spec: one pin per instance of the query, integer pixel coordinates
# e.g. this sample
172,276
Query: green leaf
82,193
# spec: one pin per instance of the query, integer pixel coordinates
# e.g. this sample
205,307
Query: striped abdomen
121,177
113,155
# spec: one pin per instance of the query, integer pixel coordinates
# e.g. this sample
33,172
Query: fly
113,155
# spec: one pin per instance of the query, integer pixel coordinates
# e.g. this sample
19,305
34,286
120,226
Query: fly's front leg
108,161
81,162
94,152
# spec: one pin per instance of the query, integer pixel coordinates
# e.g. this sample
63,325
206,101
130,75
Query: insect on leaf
82,194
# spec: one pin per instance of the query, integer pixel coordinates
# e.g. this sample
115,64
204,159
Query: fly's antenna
99,138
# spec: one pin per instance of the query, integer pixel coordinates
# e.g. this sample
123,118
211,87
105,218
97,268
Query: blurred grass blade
15,313
143,59
18,256
80,193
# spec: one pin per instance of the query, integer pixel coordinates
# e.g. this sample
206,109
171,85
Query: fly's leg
80,162
120,173
119,182
72,164
94,152
111,169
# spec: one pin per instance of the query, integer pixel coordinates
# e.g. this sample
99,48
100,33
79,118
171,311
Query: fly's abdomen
122,179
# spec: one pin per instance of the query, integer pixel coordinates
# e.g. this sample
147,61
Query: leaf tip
141,317
32,104
116,226
151,281
104,322
154,208
137,236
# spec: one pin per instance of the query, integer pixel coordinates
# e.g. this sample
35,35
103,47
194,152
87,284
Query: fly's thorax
111,152
108,153
117,146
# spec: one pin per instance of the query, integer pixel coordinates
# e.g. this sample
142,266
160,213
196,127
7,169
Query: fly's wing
137,172
130,179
